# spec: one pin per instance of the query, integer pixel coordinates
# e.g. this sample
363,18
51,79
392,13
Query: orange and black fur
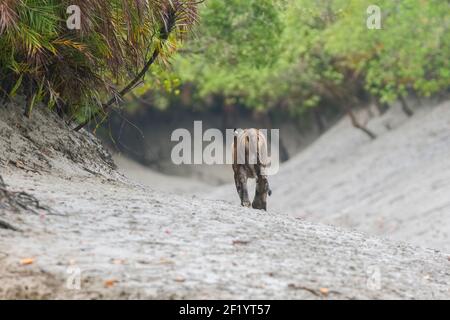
249,151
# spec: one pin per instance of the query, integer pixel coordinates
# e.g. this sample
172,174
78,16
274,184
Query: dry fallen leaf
324,291
118,261
110,283
26,261
72,262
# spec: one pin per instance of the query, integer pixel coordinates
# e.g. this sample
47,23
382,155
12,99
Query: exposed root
360,126
20,201
405,107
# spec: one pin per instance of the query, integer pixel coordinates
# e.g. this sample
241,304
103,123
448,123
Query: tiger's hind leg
240,180
261,192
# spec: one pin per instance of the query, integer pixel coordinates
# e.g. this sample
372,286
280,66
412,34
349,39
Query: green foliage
300,53
239,43
409,53
76,70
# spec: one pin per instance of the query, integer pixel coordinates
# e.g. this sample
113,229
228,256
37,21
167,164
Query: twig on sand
322,292
3,255
7,226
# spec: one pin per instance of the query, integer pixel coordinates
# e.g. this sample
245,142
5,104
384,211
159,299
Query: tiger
249,153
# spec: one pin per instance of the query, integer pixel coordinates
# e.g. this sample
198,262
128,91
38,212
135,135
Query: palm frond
79,68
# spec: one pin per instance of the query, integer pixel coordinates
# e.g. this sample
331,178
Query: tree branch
164,32
124,91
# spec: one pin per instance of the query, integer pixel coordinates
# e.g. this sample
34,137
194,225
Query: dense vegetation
296,55
83,72
268,52
266,55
